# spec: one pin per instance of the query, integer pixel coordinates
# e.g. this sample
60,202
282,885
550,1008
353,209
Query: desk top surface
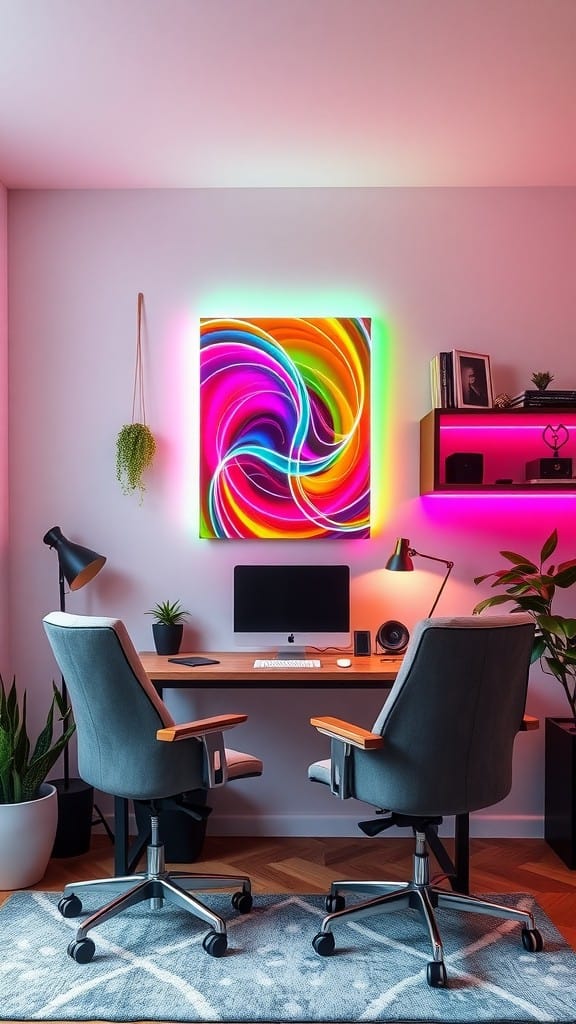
236,667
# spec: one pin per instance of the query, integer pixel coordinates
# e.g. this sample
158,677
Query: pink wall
4,623
487,270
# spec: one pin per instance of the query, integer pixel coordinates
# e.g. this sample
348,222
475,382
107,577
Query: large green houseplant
28,804
530,586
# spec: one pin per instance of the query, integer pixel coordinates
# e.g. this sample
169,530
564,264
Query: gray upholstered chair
124,733
441,745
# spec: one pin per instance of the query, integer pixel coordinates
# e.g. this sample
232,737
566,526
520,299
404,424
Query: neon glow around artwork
285,427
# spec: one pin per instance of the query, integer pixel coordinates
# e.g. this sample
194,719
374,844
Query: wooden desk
236,670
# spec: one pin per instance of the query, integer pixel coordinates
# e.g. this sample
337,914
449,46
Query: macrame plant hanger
135,444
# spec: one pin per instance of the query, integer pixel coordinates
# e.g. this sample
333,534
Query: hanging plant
135,443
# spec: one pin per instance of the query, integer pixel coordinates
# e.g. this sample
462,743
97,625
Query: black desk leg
121,836
462,853
126,857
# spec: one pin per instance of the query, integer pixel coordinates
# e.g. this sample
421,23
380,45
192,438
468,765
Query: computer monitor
287,608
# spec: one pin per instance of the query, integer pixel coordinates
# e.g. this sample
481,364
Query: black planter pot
182,836
560,788
167,639
75,808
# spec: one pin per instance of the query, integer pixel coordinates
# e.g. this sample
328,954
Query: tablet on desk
194,661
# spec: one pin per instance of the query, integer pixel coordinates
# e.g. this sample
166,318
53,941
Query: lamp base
75,809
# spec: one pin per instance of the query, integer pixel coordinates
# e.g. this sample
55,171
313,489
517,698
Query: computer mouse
343,662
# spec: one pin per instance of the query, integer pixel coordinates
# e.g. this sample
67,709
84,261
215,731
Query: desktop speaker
393,637
362,642
464,468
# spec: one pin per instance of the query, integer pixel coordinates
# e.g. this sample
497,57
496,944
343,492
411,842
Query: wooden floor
309,865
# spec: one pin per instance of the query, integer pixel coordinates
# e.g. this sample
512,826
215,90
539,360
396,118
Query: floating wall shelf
506,438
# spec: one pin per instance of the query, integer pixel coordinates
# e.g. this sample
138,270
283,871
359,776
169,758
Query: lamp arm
444,561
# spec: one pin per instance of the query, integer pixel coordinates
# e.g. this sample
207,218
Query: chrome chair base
418,894
157,886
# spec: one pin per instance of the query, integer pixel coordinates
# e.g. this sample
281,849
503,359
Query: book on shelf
543,399
442,381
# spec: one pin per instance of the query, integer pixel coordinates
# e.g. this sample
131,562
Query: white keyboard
287,663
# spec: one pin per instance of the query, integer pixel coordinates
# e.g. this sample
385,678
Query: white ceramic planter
27,833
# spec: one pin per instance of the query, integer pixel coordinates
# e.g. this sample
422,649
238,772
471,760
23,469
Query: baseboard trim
482,826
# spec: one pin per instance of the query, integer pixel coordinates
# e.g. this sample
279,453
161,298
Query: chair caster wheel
81,950
215,943
324,943
70,906
532,940
334,903
436,974
242,902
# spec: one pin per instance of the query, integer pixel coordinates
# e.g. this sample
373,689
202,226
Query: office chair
129,746
441,745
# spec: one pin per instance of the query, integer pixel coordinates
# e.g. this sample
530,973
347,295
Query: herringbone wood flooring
308,865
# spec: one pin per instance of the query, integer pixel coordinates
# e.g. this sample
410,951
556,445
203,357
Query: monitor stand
286,653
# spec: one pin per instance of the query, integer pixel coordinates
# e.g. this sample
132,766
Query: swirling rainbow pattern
285,427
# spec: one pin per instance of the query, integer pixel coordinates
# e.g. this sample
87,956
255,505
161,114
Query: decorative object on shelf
473,380
135,443
28,804
531,587
554,468
464,468
77,565
169,625
393,635
502,400
542,380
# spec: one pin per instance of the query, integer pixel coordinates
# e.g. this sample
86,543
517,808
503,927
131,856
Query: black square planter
560,788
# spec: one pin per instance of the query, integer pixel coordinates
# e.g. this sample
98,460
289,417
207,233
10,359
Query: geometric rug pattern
150,965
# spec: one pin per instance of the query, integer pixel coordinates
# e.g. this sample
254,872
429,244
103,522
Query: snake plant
22,768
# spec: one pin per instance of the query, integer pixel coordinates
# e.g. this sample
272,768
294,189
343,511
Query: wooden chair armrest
529,722
203,726
336,728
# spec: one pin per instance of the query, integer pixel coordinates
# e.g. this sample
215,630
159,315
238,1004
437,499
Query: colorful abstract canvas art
285,427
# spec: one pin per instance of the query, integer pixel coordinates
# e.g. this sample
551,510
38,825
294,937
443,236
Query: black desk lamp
393,636
76,567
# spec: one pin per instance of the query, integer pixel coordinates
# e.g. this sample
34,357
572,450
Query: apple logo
291,638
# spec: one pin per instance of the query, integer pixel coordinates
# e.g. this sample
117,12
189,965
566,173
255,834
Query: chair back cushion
117,712
451,717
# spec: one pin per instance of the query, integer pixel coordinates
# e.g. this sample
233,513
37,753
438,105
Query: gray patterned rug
151,966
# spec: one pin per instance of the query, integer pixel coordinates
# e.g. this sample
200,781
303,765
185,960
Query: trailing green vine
135,443
135,449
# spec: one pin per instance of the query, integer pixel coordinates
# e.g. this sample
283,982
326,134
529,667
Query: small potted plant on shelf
28,804
542,380
531,586
168,626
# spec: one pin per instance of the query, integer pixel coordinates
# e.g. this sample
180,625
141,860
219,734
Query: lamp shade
400,560
78,564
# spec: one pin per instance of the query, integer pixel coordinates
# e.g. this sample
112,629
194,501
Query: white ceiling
231,93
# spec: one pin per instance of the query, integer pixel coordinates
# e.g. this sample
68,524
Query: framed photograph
472,380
